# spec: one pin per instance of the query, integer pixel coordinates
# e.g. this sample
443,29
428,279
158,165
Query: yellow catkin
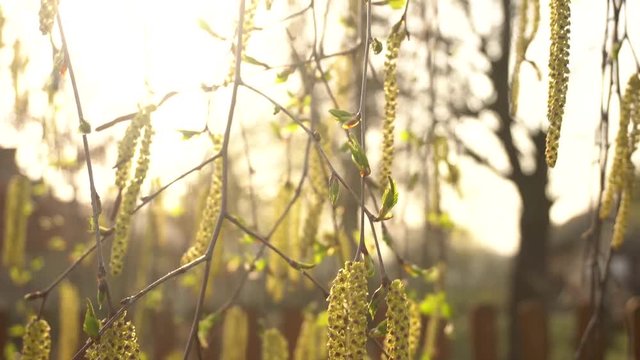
310,229
345,246
522,44
294,247
36,342
415,328
274,345
235,334
119,341
307,346
625,144
278,268
620,226
247,29
127,148
558,75
210,213
391,91
48,9
69,312
398,324
338,318
125,212
16,215
347,329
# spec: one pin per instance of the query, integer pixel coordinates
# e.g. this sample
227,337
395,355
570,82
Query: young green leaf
359,157
341,115
253,61
91,325
376,299
283,75
205,26
397,4
334,189
389,200
380,330
204,327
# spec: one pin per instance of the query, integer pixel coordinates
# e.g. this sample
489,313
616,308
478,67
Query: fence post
4,325
633,326
533,330
484,333
594,348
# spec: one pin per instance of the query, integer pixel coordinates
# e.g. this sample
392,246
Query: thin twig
225,181
363,118
96,207
130,116
130,300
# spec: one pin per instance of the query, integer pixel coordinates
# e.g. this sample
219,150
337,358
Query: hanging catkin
398,325
308,344
391,91
16,214
48,10
415,328
210,213
278,268
69,312
274,345
36,342
247,29
625,144
347,330
234,334
125,212
119,341
558,75
522,44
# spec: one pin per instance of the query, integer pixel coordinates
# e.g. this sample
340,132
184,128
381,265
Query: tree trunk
530,267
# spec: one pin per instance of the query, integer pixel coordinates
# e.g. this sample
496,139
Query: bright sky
122,48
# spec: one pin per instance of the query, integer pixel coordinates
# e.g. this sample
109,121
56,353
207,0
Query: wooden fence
484,335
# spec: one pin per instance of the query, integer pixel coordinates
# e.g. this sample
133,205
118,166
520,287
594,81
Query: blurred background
503,234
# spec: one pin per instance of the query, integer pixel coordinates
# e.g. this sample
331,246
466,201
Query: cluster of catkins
621,177
137,136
